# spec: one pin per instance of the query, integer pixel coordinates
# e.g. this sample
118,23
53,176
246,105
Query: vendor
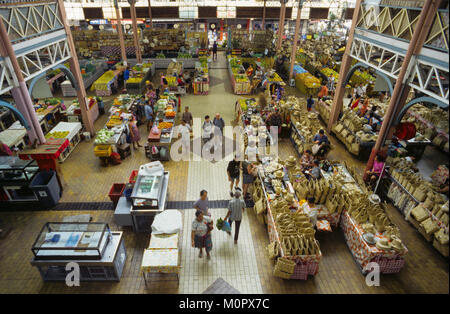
258,73
249,71
323,91
310,209
306,162
180,81
322,140
362,111
314,173
274,119
376,171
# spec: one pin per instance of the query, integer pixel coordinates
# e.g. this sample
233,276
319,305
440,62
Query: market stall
290,232
419,200
161,135
73,113
106,83
139,74
70,131
200,83
239,80
90,72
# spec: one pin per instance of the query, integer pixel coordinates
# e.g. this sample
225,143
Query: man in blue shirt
324,144
309,103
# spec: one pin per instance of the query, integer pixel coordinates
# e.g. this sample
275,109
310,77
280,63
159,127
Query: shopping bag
315,149
226,226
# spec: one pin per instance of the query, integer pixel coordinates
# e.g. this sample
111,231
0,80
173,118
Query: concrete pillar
120,32
281,23
345,67
20,92
75,69
135,33
401,87
294,44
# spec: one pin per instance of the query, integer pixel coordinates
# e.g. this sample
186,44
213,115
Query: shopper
219,122
214,51
323,91
4,150
126,75
234,173
323,143
134,134
248,175
184,130
140,110
187,116
207,129
274,119
148,110
251,152
236,207
201,233
164,83
310,103
376,171
202,203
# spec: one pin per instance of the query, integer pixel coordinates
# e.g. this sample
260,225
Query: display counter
239,80
106,267
149,195
104,85
138,76
15,178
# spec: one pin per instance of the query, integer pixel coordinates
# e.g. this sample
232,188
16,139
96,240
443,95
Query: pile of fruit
103,136
171,80
160,56
362,77
308,80
165,125
102,82
114,121
184,55
57,134
330,72
241,78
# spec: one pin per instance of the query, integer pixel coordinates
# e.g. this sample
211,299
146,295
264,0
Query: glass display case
74,240
16,171
147,191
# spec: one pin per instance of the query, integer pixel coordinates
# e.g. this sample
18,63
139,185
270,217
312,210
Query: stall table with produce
90,72
139,74
239,80
200,83
68,130
104,84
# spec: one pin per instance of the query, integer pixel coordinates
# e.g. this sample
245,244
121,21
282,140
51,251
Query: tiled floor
245,266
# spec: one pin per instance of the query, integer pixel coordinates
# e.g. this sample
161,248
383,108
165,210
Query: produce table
389,261
103,85
137,85
200,83
239,87
73,130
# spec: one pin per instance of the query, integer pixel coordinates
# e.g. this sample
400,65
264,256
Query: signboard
98,22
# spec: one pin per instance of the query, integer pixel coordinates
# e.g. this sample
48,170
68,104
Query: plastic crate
116,192
133,176
103,150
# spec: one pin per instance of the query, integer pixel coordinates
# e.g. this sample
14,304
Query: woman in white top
251,152
201,233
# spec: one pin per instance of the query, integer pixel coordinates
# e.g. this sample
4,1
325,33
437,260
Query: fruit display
165,125
102,83
160,56
308,80
57,134
103,136
171,80
170,113
331,73
113,121
363,77
184,55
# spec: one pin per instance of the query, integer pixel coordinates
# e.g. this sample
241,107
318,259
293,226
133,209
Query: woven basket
285,265
280,274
